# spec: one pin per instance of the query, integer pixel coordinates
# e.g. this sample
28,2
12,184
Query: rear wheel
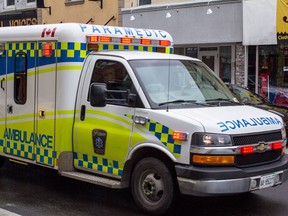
152,186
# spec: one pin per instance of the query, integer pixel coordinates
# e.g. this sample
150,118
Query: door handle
9,109
42,113
82,112
2,82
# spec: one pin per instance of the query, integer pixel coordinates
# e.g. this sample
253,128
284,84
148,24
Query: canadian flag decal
48,32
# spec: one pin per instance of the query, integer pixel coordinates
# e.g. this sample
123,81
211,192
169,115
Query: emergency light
47,49
92,39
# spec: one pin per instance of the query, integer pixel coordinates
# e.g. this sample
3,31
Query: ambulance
112,106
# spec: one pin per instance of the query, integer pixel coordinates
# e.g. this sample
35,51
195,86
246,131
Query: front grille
257,158
256,138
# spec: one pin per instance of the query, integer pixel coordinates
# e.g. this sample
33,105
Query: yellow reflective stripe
60,68
48,70
109,115
31,115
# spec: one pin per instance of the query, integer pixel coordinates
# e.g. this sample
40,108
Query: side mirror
98,94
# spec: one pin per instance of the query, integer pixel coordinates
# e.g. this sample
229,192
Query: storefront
236,39
19,18
265,29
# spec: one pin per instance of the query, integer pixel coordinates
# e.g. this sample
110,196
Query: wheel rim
152,187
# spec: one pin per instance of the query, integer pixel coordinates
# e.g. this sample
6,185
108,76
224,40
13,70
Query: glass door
211,59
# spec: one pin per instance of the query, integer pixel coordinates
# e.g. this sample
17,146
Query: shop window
252,68
273,73
73,2
225,63
20,78
192,52
179,50
144,2
9,3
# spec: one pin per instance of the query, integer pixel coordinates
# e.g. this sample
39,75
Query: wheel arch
143,151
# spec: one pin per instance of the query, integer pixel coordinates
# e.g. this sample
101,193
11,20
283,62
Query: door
2,95
45,104
211,59
102,134
19,132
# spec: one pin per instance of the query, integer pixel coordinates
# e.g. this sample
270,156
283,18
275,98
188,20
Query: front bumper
206,181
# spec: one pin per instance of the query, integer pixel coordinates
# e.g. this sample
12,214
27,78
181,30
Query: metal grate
256,138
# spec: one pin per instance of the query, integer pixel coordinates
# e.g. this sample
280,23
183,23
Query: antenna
168,89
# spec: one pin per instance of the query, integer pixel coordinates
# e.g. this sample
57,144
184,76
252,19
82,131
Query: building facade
32,12
235,38
15,13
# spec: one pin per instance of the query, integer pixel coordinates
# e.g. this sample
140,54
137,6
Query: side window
116,77
20,78
144,2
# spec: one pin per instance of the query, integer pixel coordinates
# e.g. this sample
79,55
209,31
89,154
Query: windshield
247,96
179,82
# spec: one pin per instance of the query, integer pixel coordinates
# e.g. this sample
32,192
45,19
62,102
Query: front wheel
152,186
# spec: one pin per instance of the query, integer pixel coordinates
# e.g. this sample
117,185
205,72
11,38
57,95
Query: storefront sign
282,21
19,18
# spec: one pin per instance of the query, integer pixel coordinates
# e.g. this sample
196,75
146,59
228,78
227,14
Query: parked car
248,97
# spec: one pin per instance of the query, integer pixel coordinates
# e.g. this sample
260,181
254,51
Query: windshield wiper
177,101
220,100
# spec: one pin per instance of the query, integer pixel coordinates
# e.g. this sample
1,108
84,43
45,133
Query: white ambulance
114,107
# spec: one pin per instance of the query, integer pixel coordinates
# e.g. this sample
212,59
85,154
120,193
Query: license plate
267,181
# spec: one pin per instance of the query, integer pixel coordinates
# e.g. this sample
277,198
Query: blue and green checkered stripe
164,134
97,163
43,156
62,51
131,47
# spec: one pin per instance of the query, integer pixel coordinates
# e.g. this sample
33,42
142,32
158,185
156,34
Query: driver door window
116,77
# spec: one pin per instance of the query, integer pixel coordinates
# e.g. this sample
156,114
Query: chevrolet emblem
262,147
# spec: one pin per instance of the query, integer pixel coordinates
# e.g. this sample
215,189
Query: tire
152,186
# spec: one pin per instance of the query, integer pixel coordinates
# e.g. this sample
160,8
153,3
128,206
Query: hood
232,119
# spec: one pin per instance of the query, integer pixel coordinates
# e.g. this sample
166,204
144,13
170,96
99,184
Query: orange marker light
213,160
47,49
146,41
164,43
179,136
126,40
105,39
93,39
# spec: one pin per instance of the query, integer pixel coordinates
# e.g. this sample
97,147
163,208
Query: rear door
19,132
45,103
2,94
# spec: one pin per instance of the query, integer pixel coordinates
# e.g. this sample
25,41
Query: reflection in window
20,78
115,76
225,63
144,2
10,2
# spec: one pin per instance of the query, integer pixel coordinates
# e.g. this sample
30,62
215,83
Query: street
31,191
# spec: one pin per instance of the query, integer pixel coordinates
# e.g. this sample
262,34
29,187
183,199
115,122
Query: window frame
73,2
6,6
20,77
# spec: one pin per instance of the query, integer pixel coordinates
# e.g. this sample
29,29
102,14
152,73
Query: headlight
209,139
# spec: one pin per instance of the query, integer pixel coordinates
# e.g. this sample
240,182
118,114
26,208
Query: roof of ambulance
133,55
